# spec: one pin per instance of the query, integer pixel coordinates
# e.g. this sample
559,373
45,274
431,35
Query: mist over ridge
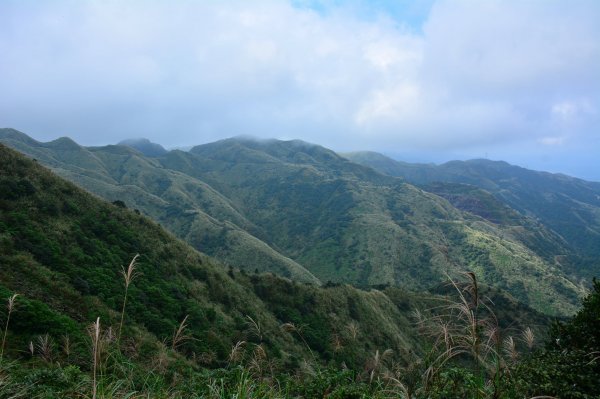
305,212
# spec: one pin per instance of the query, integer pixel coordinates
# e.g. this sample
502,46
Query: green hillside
144,146
302,211
347,223
568,206
186,206
258,335
62,250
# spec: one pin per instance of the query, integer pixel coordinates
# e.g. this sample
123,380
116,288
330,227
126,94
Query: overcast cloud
431,80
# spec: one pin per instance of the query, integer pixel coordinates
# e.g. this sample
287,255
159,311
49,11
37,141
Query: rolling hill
62,249
302,211
183,204
568,206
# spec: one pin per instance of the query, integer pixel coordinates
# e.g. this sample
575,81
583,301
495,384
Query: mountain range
62,250
307,213
568,206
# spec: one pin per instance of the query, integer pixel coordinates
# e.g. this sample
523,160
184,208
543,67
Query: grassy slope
346,223
300,210
186,206
62,250
568,206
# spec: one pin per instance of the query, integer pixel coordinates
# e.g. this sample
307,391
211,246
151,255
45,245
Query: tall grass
528,338
179,335
464,330
254,327
292,328
95,335
45,346
128,275
236,353
10,306
375,364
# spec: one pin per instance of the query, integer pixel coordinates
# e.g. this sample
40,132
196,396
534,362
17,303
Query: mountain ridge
62,249
144,146
337,220
565,204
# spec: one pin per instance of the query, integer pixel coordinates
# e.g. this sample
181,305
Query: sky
422,80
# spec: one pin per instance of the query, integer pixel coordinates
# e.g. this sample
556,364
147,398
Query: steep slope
62,250
334,219
568,206
346,223
145,146
526,230
186,206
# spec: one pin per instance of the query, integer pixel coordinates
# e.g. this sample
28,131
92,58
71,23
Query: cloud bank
471,75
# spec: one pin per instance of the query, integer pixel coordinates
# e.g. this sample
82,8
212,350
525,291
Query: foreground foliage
569,366
469,357
303,212
176,324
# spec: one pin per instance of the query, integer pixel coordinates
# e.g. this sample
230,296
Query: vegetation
305,213
175,323
145,146
569,365
62,250
568,206
468,355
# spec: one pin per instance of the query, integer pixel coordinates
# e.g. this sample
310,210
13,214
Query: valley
199,317
306,213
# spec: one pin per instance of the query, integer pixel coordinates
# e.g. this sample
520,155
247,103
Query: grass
42,252
466,331
10,305
179,336
128,276
95,335
284,209
469,356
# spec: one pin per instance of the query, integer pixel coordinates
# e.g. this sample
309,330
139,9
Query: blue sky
411,14
428,80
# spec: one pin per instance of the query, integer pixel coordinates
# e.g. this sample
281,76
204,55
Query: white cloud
564,110
479,73
550,141
570,111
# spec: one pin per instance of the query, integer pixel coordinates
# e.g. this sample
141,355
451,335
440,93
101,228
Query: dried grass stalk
353,330
66,345
528,337
128,275
510,348
254,327
94,332
237,352
11,306
44,346
179,336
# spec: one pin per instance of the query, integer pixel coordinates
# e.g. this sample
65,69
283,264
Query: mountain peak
144,146
293,151
63,143
10,134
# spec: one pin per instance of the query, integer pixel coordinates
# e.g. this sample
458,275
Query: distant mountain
63,249
391,226
568,206
189,207
303,211
144,146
